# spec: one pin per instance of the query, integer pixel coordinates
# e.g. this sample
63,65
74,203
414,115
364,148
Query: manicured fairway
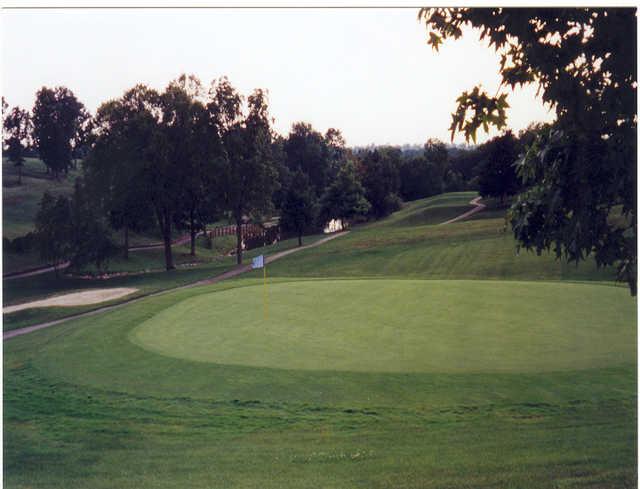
401,326
508,371
86,407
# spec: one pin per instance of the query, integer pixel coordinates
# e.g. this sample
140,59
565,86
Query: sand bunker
85,297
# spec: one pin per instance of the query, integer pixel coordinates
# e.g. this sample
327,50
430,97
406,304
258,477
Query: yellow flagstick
265,295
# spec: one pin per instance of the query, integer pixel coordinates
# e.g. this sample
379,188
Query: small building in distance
334,225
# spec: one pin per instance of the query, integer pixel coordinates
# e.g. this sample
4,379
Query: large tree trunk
164,221
168,255
126,242
208,237
192,227
299,238
20,175
239,238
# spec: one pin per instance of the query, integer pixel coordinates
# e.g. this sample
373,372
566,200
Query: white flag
258,262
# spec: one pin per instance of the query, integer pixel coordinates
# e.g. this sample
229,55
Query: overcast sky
367,72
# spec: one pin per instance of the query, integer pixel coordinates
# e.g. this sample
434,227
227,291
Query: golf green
401,326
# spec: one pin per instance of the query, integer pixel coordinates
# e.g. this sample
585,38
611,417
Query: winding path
237,270
62,266
185,239
234,272
35,271
477,208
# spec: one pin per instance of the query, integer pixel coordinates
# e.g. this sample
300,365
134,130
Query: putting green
402,326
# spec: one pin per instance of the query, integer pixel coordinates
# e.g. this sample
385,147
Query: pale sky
367,72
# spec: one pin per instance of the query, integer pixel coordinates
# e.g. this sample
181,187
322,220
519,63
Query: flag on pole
258,262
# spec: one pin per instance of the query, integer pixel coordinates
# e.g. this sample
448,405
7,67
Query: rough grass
84,406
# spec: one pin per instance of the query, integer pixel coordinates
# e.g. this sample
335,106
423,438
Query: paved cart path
35,271
477,208
46,269
234,272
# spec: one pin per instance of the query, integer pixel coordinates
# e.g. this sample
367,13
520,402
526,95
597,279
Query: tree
584,63
285,175
336,153
419,178
153,154
498,173
114,168
90,239
454,181
80,142
344,199
54,229
381,180
527,136
17,129
57,118
298,211
305,150
193,140
70,229
466,162
436,153
247,174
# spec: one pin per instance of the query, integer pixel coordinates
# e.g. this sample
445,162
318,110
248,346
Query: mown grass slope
411,244
85,406
20,205
20,202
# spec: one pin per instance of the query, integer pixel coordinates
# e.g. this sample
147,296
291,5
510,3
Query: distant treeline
189,155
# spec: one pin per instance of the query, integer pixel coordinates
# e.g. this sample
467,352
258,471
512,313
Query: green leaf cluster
580,176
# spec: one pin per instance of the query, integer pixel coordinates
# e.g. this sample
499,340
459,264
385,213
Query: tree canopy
57,119
381,180
419,178
72,229
437,154
299,210
306,150
583,170
345,197
17,130
498,173
114,167
54,229
247,171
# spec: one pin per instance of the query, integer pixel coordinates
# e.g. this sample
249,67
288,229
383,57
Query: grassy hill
405,354
20,205
20,202
411,244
